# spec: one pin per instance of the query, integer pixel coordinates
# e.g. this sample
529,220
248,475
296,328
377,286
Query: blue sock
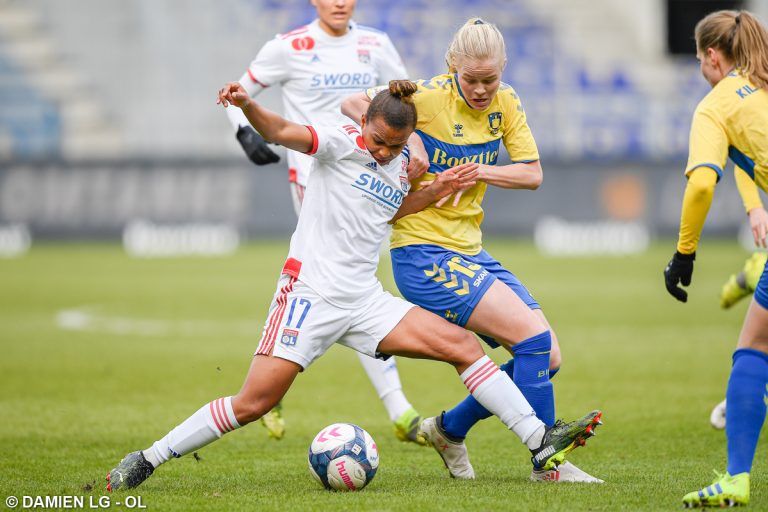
745,407
463,417
532,375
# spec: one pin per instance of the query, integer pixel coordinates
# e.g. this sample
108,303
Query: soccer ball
343,457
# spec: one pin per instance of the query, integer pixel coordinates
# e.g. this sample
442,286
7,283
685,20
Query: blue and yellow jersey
454,133
730,122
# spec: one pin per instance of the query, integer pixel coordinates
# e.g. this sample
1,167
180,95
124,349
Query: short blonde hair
476,40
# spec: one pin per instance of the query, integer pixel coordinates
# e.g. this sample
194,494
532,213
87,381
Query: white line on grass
90,319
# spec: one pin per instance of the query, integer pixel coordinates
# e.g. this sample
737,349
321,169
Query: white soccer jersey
348,204
316,72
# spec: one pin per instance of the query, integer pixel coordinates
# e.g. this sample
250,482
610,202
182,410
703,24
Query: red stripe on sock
224,417
480,375
484,378
474,375
215,418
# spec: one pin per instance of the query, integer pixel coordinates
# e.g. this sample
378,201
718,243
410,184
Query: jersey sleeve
389,63
518,138
263,71
371,92
696,202
708,143
268,68
332,143
747,189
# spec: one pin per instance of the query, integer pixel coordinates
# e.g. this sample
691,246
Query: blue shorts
448,283
761,291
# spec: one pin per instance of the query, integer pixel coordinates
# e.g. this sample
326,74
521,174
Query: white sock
386,379
496,392
534,441
208,424
396,404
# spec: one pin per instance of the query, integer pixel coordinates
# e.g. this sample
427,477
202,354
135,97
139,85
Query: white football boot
454,454
565,472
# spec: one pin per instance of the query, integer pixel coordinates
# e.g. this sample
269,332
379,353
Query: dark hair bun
402,88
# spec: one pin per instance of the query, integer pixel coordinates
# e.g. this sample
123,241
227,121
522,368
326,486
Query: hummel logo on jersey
457,130
543,454
371,165
315,58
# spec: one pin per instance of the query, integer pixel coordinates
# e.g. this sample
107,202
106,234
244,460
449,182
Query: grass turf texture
177,333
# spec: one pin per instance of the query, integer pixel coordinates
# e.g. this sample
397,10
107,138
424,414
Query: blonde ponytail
742,39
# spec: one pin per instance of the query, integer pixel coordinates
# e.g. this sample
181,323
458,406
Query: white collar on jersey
326,37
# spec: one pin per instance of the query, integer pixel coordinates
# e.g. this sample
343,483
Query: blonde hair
476,40
742,39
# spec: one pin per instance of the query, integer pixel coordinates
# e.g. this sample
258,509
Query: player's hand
419,160
255,146
233,93
679,270
453,182
758,221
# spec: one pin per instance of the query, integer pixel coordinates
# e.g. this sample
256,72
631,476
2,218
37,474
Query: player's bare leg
265,385
423,335
502,315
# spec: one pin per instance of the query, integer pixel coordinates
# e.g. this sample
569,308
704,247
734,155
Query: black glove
255,146
679,269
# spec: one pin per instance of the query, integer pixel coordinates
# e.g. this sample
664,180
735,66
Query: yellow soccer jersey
731,121
454,133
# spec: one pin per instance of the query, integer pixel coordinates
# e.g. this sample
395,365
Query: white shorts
302,326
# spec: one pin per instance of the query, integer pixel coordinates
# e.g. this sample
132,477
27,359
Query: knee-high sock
386,379
208,424
532,375
458,421
496,392
745,413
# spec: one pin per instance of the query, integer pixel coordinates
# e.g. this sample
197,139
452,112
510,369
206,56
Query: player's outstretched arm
451,181
270,125
696,202
518,175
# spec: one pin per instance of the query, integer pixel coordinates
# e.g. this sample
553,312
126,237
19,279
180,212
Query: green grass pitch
103,354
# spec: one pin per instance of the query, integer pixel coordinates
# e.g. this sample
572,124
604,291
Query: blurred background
109,128
112,146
